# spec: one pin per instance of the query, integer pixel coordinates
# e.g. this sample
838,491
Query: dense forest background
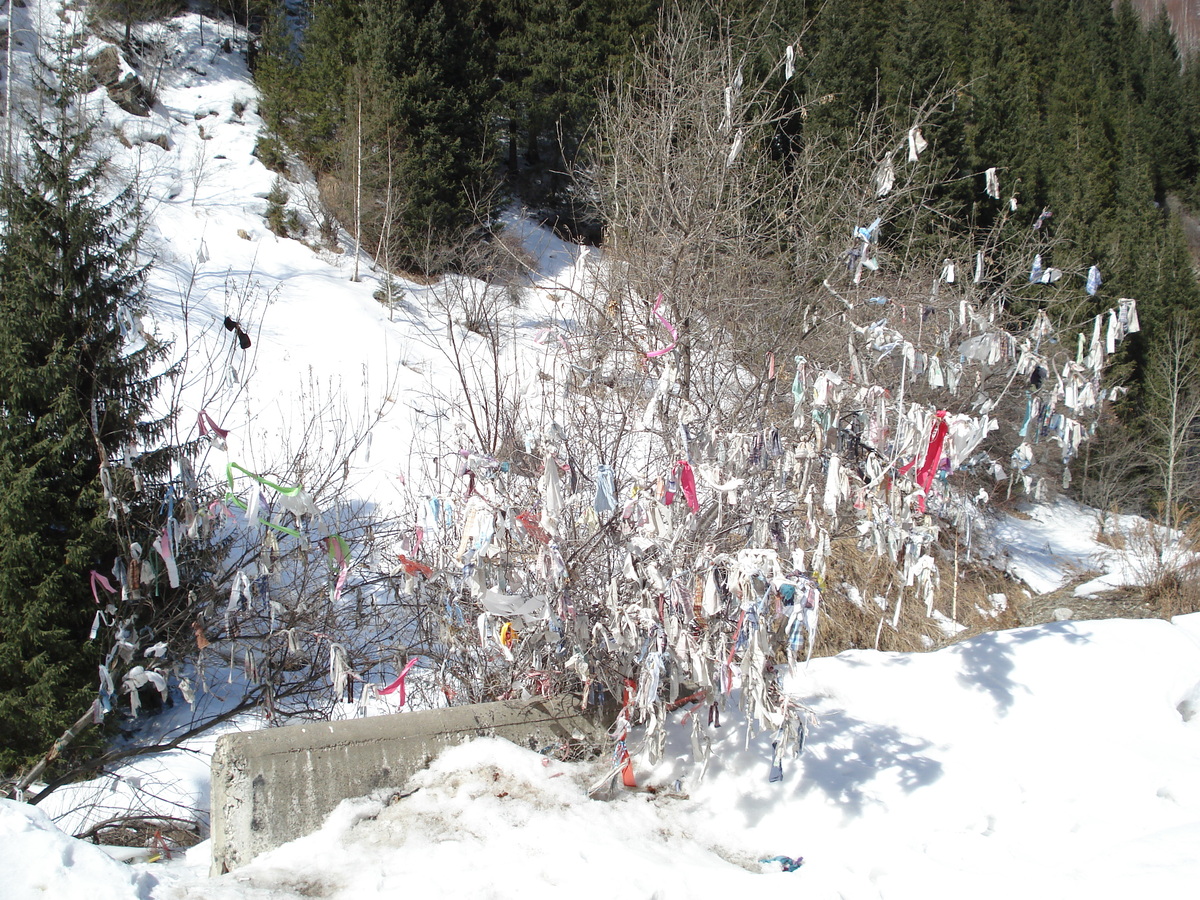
450,107
422,117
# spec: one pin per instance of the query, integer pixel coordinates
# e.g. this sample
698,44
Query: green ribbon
231,497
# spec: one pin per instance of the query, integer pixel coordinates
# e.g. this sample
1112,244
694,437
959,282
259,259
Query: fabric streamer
621,753
916,143
99,618
885,178
529,522
867,233
340,672
243,339
209,429
295,498
736,149
398,685
932,457
99,579
606,490
687,484
165,547
338,552
550,486
667,325
514,606
785,862
412,567
992,183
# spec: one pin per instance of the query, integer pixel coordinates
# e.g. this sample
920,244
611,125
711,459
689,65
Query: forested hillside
422,117
914,213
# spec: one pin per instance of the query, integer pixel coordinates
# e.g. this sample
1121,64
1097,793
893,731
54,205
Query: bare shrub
1166,563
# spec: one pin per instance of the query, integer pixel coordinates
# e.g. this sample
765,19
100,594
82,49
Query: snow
1052,544
1051,761
39,860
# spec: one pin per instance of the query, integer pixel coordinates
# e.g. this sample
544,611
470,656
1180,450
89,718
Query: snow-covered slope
1048,762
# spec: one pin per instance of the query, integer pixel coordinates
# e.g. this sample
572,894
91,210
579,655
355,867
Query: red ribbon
932,457
412,567
687,484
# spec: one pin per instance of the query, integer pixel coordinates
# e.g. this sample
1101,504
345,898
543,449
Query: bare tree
1172,391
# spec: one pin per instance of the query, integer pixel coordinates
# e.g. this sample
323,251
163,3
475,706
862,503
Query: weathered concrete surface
270,787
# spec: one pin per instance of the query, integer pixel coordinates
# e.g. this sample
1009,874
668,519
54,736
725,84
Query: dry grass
848,625
1167,563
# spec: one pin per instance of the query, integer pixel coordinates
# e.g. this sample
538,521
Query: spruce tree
75,401
1166,112
429,63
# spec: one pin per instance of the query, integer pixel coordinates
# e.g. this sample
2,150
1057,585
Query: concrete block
273,786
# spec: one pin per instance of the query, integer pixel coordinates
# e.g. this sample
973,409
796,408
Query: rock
108,70
105,66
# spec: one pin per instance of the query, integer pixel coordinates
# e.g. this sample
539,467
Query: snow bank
1052,761
38,860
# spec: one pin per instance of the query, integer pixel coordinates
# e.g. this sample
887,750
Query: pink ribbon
337,553
97,578
667,325
163,545
542,336
206,423
398,684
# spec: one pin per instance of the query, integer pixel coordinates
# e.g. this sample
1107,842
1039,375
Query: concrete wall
273,786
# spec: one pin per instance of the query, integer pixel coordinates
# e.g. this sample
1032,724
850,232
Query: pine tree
328,54
1165,112
429,63
75,397
552,57
1000,111
846,63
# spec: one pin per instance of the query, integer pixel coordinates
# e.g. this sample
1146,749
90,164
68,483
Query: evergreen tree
304,84
428,62
1166,113
1000,111
75,399
846,62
